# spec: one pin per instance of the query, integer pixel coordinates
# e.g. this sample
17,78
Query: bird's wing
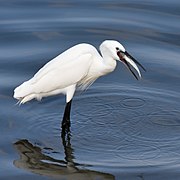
62,75
72,54
66,69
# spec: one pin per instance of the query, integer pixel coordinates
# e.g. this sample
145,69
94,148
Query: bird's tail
24,93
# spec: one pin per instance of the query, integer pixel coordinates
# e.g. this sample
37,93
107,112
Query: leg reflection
68,150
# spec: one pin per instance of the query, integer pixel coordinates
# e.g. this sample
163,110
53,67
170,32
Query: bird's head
116,51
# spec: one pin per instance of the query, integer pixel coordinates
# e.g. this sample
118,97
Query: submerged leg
66,118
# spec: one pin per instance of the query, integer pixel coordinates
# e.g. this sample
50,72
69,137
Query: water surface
121,128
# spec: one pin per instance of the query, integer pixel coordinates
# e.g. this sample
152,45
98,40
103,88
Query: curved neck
108,62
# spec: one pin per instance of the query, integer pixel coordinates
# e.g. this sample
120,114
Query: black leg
66,118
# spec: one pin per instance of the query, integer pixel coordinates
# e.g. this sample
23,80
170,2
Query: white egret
77,67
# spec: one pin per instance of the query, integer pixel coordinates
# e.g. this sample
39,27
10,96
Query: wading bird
77,67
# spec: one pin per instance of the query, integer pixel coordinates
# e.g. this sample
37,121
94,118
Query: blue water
121,128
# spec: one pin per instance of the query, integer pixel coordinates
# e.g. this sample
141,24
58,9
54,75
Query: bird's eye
117,48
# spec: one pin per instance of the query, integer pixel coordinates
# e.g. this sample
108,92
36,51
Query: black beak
129,56
129,61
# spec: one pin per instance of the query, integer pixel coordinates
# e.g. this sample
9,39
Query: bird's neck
108,63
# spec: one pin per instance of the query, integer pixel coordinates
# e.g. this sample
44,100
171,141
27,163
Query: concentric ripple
127,126
123,126
166,118
144,152
92,106
133,102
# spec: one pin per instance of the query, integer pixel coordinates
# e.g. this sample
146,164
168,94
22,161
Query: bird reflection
32,159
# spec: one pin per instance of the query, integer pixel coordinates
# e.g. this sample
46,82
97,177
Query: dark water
121,128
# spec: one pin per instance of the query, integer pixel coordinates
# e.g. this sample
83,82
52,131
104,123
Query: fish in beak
129,61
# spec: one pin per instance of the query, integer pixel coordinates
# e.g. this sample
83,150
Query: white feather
79,66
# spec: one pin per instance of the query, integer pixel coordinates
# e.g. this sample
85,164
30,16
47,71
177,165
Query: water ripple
133,102
122,125
127,124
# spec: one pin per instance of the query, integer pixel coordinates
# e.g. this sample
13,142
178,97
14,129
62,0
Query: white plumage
78,66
